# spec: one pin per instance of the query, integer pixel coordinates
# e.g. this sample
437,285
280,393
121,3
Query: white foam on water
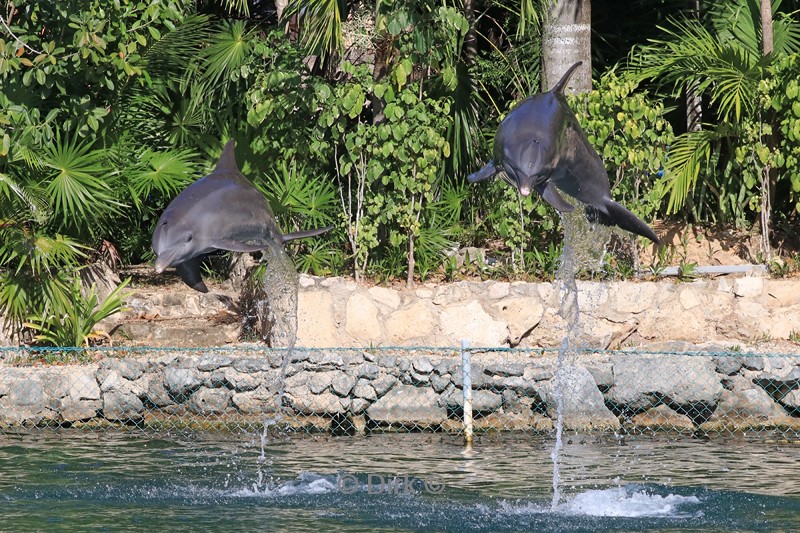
306,483
624,502
616,502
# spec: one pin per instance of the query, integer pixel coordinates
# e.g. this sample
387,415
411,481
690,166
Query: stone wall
372,390
337,312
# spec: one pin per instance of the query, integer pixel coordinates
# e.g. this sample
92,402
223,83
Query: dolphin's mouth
163,261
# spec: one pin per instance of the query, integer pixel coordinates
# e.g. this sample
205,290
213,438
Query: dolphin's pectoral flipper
551,195
304,234
620,216
483,174
189,271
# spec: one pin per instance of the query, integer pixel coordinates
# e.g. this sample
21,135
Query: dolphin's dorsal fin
227,161
559,87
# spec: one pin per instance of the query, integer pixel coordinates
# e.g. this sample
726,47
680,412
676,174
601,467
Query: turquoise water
76,481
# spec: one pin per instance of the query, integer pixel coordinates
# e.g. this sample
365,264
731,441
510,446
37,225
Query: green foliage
718,170
72,322
629,130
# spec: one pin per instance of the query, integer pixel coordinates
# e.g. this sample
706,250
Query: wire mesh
347,391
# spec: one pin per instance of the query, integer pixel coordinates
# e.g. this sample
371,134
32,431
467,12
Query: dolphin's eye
189,238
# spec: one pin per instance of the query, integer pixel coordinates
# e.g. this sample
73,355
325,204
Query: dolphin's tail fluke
617,215
304,234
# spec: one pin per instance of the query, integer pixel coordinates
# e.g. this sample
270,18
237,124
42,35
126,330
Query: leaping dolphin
222,211
541,146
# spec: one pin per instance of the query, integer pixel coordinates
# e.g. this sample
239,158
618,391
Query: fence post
466,371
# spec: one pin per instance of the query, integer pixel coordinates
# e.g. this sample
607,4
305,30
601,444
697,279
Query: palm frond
167,172
320,23
77,185
687,155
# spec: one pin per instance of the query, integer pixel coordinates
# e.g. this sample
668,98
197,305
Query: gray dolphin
222,211
541,146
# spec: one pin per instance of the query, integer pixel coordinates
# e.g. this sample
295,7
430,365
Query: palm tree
721,54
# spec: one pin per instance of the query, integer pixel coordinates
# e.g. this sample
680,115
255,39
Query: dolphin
541,146
222,211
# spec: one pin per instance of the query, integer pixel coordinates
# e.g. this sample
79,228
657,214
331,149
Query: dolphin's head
172,243
527,164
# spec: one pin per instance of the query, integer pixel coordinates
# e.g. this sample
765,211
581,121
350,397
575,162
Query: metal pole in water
466,370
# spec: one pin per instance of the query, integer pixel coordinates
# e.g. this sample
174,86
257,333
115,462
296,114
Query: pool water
71,480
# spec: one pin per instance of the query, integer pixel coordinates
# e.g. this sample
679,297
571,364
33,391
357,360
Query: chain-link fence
356,391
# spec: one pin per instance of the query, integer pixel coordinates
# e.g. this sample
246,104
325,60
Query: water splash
270,300
584,248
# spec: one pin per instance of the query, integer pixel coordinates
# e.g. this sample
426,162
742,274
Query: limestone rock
413,322
316,323
362,319
471,322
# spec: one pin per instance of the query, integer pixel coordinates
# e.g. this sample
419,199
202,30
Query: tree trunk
769,176
694,102
766,26
280,5
567,39
470,39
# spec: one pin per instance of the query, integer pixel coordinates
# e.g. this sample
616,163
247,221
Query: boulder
642,381
409,407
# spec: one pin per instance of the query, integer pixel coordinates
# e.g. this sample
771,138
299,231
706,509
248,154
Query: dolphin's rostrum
541,146
222,211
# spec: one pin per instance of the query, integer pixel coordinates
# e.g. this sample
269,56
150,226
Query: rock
483,401
642,381
409,407
207,363
387,297
471,322
413,322
779,383
326,359
748,287
521,315
25,402
252,364
505,369
180,381
242,381
662,418
130,369
207,401
122,406
364,390
422,365
316,324
260,400
439,383
383,384
746,401
318,404
362,319
342,384
583,405
728,365
367,371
